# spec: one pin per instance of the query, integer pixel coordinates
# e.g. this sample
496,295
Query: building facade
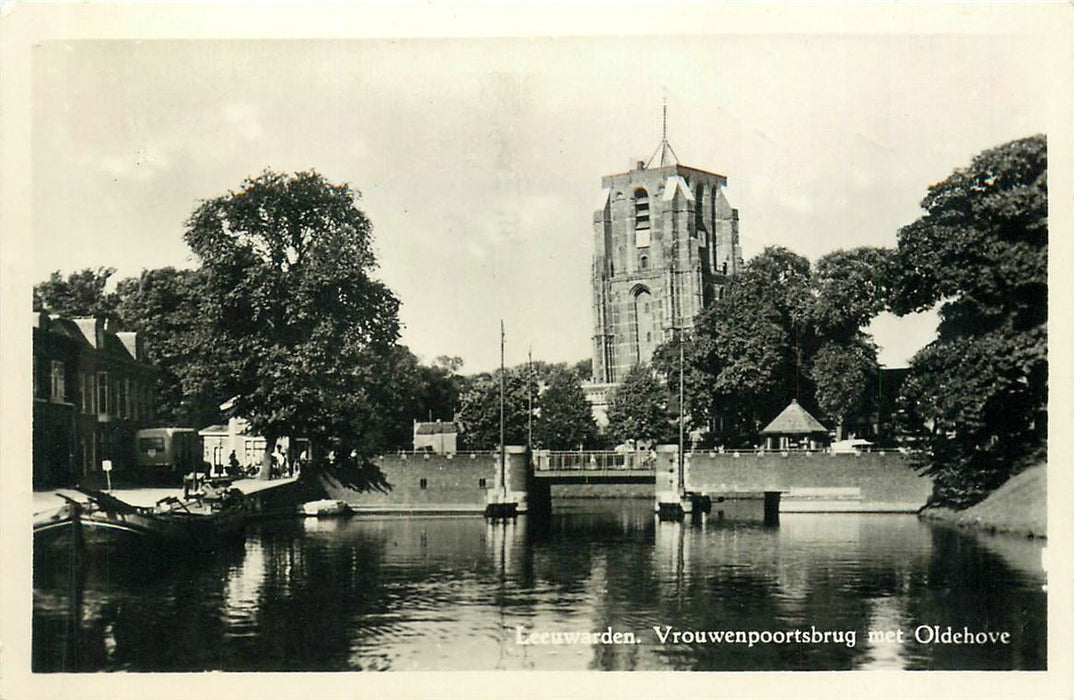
92,389
219,441
665,242
438,437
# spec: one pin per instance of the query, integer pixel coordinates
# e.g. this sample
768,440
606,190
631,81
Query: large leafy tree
638,409
754,345
302,330
845,375
479,409
981,251
165,306
851,288
80,294
701,405
782,330
566,419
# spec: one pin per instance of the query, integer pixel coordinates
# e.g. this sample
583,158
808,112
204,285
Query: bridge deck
609,475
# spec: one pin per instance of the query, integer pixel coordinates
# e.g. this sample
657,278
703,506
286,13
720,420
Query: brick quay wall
872,480
432,483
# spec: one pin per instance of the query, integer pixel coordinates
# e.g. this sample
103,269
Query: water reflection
400,593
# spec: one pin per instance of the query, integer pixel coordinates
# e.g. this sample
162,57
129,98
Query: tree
752,346
980,388
700,403
164,306
845,375
584,369
81,294
638,409
479,409
852,287
302,332
566,419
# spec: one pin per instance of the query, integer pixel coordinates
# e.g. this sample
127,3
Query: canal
602,586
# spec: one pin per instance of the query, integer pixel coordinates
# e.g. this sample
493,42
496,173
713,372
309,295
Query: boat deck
45,501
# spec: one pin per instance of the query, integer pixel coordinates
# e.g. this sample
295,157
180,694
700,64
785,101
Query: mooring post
771,507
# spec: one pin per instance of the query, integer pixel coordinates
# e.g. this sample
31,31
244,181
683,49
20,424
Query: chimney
641,165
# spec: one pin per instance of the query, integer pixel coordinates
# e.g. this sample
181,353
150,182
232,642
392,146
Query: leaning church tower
665,243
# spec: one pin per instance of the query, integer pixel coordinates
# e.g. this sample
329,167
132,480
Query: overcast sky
479,161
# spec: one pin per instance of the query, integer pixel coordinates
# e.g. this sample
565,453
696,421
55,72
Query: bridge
814,480
593,466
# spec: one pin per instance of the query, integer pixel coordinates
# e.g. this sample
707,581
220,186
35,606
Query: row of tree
285,318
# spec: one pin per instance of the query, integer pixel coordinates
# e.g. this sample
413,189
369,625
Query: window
103,404
482,483
644,262
641,217
56,387
725,267
151,445
423,483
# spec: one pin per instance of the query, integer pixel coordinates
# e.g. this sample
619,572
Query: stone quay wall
436,483
871,481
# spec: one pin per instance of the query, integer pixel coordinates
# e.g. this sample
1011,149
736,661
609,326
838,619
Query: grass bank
1019,507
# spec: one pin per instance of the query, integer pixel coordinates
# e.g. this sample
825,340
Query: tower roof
665,151
794,420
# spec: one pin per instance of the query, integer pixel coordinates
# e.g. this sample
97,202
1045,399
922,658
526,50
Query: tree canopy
979,391
479,409
782,330
80,294
164,305
301,329
638,409
565,421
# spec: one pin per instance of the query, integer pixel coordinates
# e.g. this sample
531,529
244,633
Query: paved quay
45,501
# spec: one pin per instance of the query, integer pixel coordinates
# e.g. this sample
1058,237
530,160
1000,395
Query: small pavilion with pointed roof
794,428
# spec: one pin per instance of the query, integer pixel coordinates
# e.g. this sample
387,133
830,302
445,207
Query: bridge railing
592,461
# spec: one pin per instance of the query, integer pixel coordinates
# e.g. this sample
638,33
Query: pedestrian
279,461
233,464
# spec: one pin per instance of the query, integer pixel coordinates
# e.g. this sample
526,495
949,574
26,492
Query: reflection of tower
665,243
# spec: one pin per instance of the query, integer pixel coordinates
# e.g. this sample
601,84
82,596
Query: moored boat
326,508
97,520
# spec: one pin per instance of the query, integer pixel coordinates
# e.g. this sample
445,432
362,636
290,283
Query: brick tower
665,242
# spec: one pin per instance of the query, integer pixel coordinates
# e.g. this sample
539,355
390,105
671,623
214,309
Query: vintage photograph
720,351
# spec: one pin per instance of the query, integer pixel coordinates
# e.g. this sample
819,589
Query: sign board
106,465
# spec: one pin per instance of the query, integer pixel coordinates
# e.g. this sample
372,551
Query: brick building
665,242
92,389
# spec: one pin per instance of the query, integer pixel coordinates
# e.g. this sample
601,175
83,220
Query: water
457,593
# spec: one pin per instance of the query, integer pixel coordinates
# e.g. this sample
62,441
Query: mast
682,424
503,484
529,391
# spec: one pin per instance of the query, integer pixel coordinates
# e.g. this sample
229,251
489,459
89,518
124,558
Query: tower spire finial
664,151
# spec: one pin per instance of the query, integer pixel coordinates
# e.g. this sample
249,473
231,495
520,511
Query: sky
479,160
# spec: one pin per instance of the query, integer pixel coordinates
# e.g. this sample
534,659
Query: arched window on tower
645,325
643,262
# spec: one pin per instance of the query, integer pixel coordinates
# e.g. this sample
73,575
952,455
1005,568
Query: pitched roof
435,428
794,420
